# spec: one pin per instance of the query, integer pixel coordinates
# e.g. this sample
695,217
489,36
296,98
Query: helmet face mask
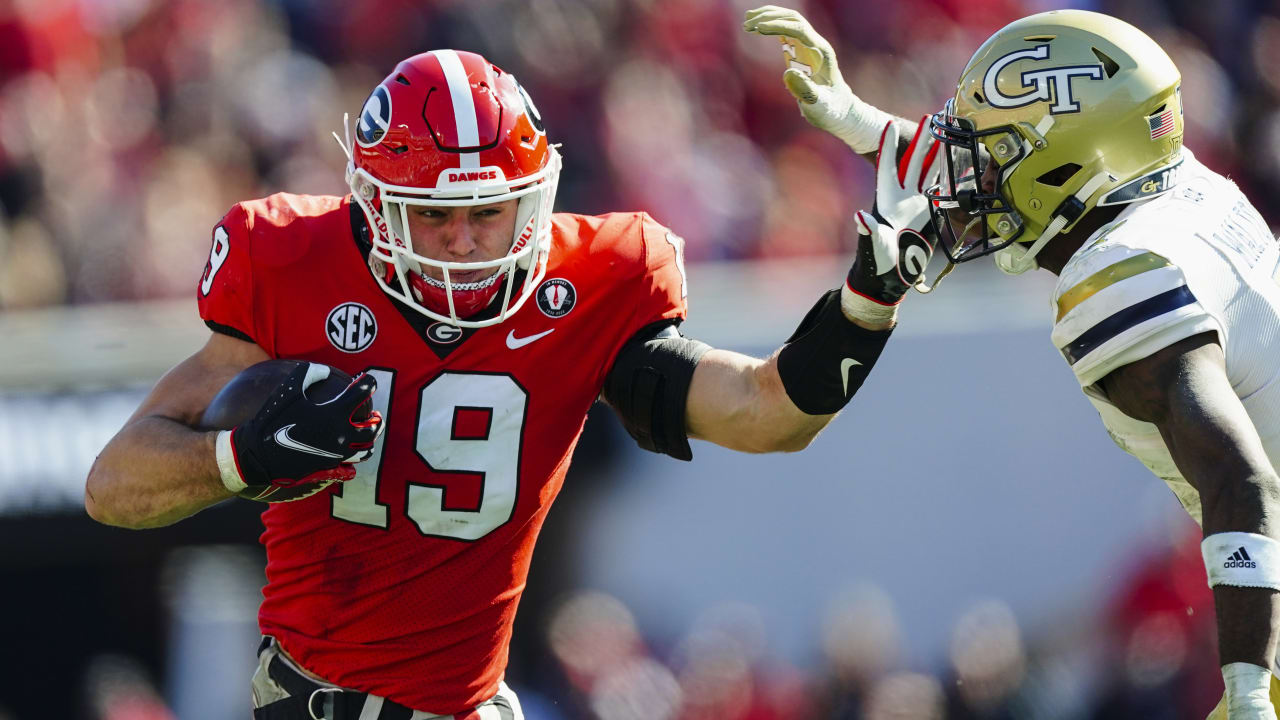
966,212
447,129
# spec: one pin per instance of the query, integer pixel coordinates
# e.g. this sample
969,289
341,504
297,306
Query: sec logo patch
351,327
556,297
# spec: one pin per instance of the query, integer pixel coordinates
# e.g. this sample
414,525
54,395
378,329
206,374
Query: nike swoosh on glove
294,440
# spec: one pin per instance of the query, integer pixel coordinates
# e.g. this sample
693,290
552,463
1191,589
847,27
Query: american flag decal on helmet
1161,123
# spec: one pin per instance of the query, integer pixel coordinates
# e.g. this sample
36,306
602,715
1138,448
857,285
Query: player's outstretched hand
892,249
813,77
294,440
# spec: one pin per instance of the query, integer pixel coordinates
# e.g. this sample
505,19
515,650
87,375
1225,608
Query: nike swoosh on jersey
514,342
845,364
283,440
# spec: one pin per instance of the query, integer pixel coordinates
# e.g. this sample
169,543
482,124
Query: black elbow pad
648,387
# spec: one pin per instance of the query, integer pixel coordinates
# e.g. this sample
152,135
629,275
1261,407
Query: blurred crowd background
128,127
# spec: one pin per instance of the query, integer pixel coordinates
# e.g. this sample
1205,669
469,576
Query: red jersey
404,581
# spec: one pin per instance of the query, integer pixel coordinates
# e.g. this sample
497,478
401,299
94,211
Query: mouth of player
468,276
466,279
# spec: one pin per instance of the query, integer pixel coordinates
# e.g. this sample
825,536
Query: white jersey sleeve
1119,300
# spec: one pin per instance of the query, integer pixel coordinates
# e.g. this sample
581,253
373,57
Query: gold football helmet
1056,114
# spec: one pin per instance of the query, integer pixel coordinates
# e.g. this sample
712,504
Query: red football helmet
449,128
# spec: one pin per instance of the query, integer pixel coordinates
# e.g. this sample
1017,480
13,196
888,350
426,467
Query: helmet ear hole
1059,176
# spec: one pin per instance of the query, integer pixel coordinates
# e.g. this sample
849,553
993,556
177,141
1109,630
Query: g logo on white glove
892,249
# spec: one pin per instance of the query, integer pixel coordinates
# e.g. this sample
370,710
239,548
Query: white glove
814,79
892,250
900,184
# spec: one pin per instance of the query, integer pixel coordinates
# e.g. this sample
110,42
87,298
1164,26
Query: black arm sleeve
648,387
825,361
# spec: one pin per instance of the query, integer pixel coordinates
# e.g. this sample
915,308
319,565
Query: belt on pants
310,700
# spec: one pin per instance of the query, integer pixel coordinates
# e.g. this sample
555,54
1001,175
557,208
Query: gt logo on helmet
375,118
1050,84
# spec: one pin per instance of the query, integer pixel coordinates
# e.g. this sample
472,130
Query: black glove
892,251
295,441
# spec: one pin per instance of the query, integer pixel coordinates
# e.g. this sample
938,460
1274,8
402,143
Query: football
242,398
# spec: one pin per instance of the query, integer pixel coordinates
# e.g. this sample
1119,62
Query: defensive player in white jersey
1167,307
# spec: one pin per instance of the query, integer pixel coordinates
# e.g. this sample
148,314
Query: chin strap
1018,258
925,288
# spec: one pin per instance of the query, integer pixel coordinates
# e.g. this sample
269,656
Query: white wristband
1248,690
1241,559
227,463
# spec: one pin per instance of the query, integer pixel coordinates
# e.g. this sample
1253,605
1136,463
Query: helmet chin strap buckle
1013,260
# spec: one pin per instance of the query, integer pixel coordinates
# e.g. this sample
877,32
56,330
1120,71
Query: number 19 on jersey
467,423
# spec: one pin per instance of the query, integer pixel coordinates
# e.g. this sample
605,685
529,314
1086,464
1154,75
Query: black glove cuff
826,359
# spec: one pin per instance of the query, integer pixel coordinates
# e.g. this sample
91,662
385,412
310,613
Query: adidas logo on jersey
1240,559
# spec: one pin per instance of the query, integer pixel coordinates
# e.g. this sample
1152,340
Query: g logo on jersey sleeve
351,327
375,118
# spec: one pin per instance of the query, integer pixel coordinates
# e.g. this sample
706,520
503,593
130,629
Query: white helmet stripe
464,107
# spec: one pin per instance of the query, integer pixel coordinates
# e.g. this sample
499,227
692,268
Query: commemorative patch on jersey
556,297
351,327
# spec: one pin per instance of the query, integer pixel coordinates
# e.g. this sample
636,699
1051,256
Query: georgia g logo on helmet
375,118
1049,84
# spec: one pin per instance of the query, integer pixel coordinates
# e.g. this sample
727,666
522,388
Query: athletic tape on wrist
866,309
1241,559
862,125
1248,689
826,359
227,467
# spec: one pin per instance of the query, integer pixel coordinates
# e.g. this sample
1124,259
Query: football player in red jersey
480,327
